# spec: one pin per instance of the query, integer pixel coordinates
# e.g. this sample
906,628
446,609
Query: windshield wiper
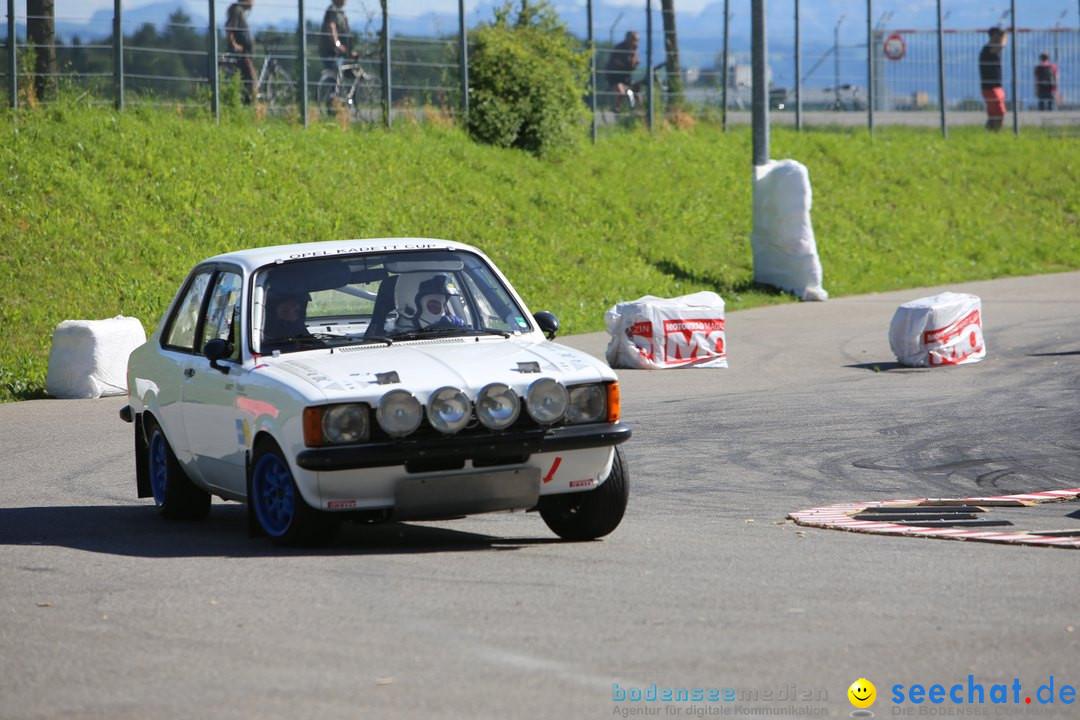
300,339
430,332
490,331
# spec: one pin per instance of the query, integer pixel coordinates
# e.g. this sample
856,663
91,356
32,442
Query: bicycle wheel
280,89
367,99
327,93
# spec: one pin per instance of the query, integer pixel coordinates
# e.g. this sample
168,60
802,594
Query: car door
178,347
216,436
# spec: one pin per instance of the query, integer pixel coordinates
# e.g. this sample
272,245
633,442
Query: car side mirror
215,350
549,324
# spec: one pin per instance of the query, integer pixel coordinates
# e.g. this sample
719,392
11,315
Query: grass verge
103,213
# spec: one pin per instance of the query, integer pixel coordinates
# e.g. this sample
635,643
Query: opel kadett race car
370,380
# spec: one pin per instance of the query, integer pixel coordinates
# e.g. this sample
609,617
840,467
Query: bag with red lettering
944,329
653,333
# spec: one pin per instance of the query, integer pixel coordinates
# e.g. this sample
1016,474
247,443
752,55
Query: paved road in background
111,612
1060,120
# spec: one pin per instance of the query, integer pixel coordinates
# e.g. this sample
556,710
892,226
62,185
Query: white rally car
370,380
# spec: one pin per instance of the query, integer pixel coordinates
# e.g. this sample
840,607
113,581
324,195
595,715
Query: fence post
941,71
648,60
870,66
1014,43
13,57
592,66
387,95
118,53
464,61
798,70
724,80
211,61
759,85
302,61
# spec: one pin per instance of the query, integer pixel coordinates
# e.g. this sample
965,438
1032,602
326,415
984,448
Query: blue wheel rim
159,467
273,494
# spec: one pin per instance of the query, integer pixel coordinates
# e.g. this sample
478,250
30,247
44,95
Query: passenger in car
285,317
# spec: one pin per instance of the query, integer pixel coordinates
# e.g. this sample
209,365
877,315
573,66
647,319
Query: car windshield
386,297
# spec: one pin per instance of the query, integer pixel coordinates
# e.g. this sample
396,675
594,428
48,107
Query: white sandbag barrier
653,333
785,252
943,329
89,358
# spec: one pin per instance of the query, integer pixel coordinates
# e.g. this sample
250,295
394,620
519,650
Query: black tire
281,90
279,508
367,104
593,514
177,498
326,94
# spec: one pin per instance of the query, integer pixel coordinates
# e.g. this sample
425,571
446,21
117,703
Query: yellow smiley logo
862,693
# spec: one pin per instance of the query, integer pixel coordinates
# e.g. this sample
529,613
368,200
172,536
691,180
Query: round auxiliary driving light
448,410
399,413
546,401
497,406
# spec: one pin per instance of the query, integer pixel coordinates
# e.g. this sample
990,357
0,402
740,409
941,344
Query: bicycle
840,104
276,88
632,104
347,87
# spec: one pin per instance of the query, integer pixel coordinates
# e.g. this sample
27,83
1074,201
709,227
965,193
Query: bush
528,76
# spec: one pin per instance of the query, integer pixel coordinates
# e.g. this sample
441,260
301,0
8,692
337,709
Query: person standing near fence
335,38
1045,82
620,69
990,76
242,44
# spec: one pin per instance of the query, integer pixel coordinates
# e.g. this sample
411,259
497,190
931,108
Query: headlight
345,424
399,413
448,410
546,401
497,406
336,424
588,403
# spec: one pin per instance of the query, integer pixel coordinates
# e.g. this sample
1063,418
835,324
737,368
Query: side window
489,316
498,310
185,319
223,311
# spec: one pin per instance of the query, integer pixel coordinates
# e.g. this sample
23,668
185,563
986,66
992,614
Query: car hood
369,371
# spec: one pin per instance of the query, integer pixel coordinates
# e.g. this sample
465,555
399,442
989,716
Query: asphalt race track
111,612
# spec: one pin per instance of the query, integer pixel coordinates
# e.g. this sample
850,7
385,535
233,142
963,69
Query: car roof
254,258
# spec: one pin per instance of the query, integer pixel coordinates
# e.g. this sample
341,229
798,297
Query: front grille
475,429
473,432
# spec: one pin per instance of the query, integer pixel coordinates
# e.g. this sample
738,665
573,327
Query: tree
671,51
41,32
528,77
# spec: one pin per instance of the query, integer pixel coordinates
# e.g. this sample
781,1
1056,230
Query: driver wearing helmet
431,306
285,317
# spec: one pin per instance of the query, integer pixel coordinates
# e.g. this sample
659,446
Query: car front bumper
487,447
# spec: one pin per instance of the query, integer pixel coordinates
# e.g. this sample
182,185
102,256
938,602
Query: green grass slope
103,213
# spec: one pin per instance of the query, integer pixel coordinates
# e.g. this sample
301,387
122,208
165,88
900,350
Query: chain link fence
416,66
